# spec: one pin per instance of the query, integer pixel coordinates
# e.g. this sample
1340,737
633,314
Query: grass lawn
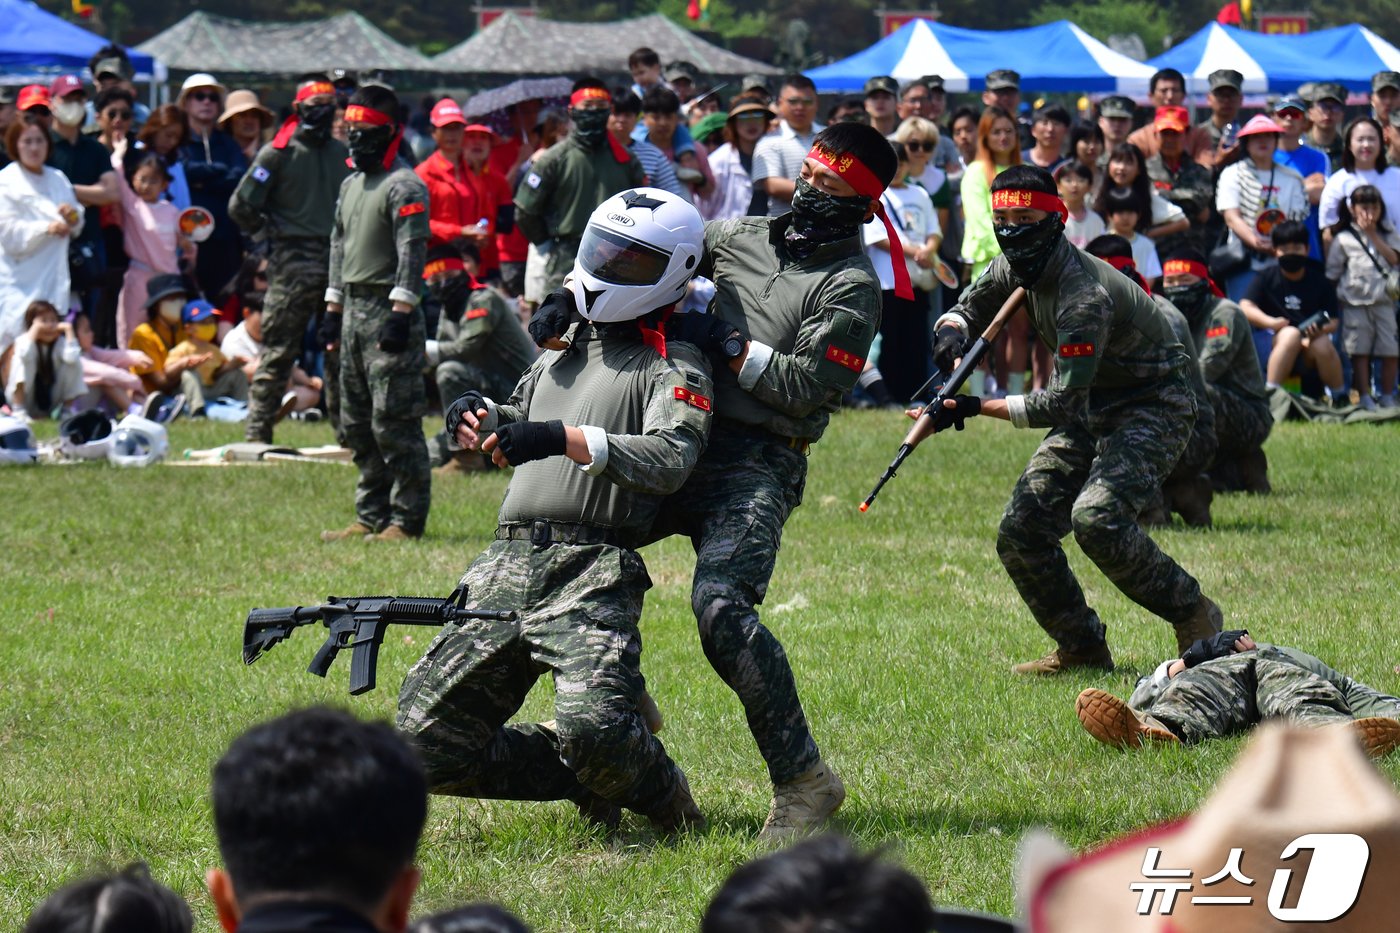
123,592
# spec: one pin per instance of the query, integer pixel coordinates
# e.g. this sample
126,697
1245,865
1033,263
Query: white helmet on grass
640,250
86,435
138,441
17,443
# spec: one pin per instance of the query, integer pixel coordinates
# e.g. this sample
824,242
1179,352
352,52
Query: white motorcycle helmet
138,441
17,442
640,250
86,435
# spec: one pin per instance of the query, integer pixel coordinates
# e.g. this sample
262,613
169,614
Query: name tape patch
1221,331
408,210
475,313
843,358
692,398
1068,350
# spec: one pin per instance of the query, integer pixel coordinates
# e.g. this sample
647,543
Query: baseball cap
481,128
1117,106
446,112
882,83
31,96
64,85
1226,77
197,311
1325,90
1384,79
677,70
1172,118
1259,123
933,83
115,66
1290,103
1003,79
754,82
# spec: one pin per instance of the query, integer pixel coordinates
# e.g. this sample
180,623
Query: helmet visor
620,260
131,444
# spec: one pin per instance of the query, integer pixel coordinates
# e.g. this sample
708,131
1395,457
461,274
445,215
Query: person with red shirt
492,193
454,213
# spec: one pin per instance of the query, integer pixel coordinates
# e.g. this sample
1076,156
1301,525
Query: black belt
543,534
744,429
356,288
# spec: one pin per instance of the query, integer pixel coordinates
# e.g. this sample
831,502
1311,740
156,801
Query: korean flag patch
260,174
533,180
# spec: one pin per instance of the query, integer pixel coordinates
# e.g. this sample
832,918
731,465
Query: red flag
1229,15
693,10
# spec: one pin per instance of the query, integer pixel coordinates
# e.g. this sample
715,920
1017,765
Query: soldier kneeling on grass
598,432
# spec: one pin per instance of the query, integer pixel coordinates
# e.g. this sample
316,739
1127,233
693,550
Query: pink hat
64,85
482,128
446,112
1260,123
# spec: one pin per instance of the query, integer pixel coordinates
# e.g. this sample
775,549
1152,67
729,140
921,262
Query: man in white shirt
778,156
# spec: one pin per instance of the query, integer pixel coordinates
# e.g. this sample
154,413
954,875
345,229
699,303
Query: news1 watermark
1328,889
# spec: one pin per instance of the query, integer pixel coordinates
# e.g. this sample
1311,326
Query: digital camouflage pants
296,293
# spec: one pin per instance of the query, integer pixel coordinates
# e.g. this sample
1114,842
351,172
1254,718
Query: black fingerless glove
1208,649
393,336
472,401
968,406
329,331
711,335
523,441
553,318
948,345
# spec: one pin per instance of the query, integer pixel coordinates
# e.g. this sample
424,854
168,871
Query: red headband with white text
1035,200
1191,267
855,173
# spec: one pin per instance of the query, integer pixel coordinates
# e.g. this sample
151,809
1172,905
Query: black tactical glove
968,406
553,318
948,345
523,441
1217,646
713,336
329,331
472,401
393,336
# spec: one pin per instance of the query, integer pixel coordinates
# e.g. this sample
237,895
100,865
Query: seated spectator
1120,208
107,372
1286,296
735,194
303,393
1251,183
246,120
1049,129
159,333
1127,173
820,884
46,373
660,172
215,375
1230,367
292,860
123,902
474,918
150,233
1075,179
1365,250
1227,684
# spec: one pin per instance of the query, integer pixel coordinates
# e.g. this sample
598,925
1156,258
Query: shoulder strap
1356,234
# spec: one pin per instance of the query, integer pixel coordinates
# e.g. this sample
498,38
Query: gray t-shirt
780,155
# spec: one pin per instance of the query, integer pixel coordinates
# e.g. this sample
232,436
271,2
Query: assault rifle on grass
923,425
357,623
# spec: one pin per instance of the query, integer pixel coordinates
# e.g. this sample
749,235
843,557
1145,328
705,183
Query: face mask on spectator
1292,262
170,309
590,126
70,112
206,332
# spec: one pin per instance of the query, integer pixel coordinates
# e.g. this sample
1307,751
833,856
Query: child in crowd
151,233
1365,248
217,376
46,372
1074,180
107,373
1284,296
112,903
245,342
1122,215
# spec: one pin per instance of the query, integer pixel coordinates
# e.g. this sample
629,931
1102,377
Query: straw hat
243,101
1288,785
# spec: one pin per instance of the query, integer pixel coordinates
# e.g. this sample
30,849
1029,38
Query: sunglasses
117,114
914,146
204,96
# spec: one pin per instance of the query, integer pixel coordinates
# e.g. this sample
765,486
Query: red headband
589,93
1125,265
358,113
1191,267
450,264
289,125
312,89
1035,200
854,172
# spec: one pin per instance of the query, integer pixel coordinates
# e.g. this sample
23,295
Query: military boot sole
1113,722
1378,735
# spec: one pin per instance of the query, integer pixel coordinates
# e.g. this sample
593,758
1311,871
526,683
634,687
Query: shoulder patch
693,398
475,313
408,210
844,358
1220,331
1071,350
533,180
261,174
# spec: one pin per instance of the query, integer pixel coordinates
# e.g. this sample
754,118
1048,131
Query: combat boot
680,814
597,811
392,533
1113,722
1254,472
1157,513
1096,656
1206,621
1191,500
804,803
353,530
1378,735
462,463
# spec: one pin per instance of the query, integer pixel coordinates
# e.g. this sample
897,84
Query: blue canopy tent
35,46
1352,53
1055,57
1268,63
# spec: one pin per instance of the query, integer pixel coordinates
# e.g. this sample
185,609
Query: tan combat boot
392,533
353,530
680,814
1378,735
1113,722
1205,623
650,713
462,463
1060,660
803,804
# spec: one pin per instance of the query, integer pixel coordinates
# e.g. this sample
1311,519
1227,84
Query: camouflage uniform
1230,694
1200,448
810,323
378,246
1190,188
1233,377
288,195
564,561
1120,411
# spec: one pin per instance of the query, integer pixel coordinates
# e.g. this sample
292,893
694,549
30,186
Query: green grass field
122,596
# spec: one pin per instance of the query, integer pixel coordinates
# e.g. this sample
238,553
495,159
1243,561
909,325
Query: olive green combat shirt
1228,357
380,235
566,184
291,192
487,334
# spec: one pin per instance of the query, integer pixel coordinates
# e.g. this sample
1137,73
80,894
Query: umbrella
1054,57
516,92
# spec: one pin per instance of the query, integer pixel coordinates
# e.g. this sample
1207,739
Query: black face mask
590,127
1027,247
368,147
1292,262
315,121
1189,299
819,217
452,293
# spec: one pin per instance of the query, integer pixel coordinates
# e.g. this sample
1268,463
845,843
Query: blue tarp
35,46
1055,57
